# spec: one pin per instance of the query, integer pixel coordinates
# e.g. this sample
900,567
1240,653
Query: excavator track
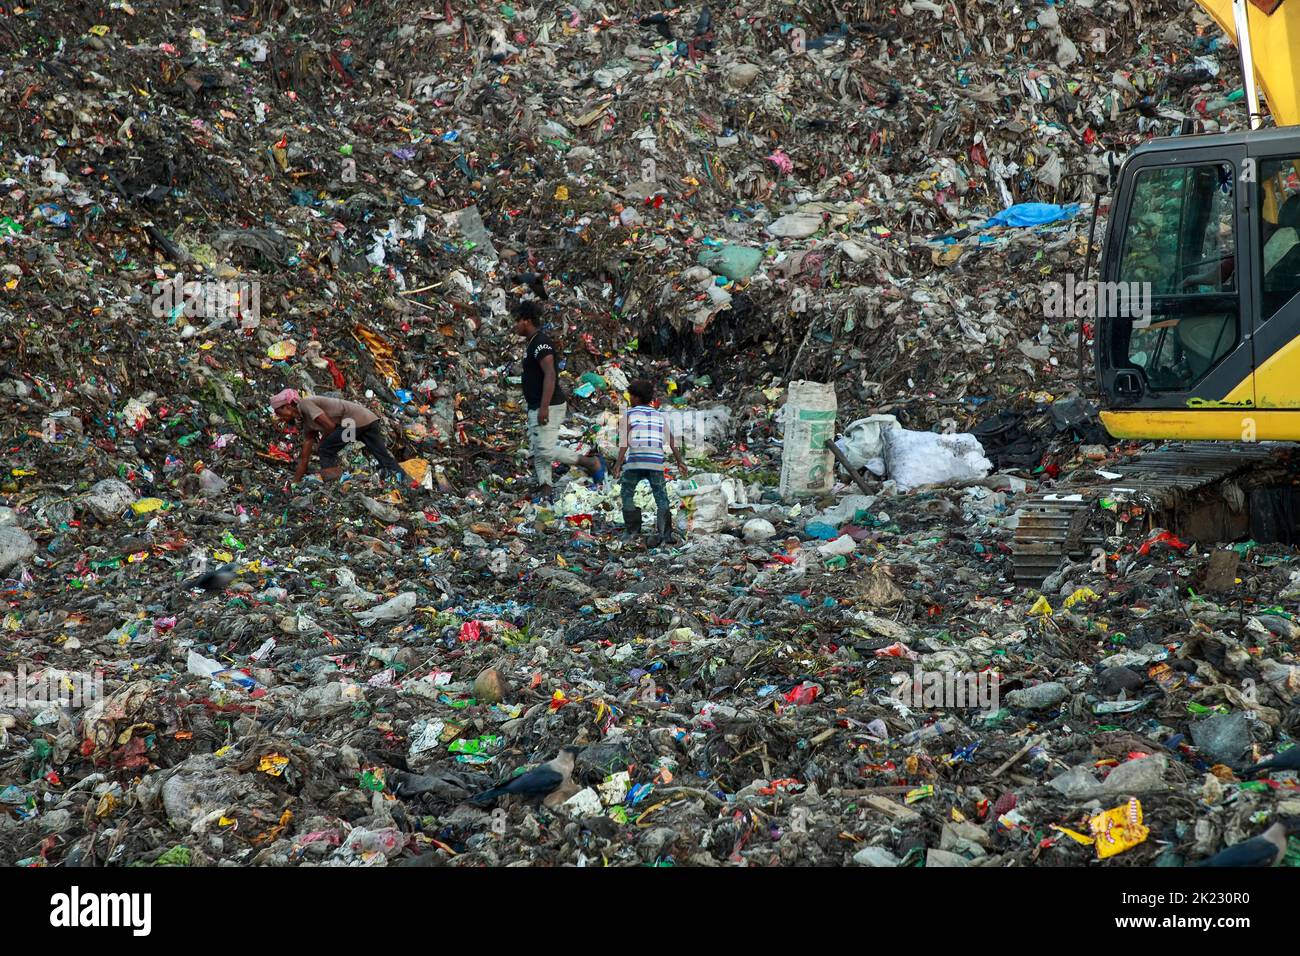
1180,487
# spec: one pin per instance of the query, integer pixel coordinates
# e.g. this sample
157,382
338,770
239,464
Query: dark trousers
371,436
632,477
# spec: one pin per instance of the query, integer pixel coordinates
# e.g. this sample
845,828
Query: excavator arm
1275,48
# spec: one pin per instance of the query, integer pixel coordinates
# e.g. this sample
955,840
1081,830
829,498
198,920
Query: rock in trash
935,858
396,609
1115,680
1040,697
16,545
108,499
1222,738
490,686
1137,776
875,856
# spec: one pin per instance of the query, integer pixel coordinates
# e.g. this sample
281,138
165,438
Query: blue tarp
1034,214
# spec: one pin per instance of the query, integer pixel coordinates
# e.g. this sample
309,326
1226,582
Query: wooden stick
1017,755
868,791
834,449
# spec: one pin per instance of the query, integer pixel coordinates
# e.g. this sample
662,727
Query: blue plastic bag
1034,214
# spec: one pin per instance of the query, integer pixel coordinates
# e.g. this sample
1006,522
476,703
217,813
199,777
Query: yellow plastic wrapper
416,469
1041,606
282,350
1118,829
1082,594
273,764
381,353
1074,835
146,505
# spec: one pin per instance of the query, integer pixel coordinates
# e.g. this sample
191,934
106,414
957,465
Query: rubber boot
664,528
631,524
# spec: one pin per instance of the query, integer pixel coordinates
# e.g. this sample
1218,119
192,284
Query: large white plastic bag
865,439
926,458
711,497
15,545
807,466
109,498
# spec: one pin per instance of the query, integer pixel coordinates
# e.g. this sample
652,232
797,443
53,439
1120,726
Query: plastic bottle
925,733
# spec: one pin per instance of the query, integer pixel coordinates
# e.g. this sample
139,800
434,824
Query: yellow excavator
1209,226
1197,338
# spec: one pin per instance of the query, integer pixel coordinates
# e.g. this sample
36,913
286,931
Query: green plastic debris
994,719
734,262
176,856
478,745
1292,857
371,781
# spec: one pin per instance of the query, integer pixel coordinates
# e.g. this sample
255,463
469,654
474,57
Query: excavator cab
1198,304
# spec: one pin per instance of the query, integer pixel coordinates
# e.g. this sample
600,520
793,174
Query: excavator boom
1275,45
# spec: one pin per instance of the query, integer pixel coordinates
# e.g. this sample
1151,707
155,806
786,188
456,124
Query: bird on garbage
703,32
538,783
535,282
1267,849
1152,109
660,22
214,579
442,784
1286,760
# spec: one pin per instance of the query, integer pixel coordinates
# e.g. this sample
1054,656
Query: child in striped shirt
642,436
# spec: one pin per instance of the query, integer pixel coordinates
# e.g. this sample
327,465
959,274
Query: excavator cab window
1280,232
1178,255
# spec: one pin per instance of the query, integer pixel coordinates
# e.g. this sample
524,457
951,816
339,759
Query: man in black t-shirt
546,401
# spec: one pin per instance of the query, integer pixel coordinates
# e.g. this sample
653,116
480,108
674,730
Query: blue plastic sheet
1034,214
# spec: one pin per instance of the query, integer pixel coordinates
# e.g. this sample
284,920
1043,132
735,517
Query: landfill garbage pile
203,205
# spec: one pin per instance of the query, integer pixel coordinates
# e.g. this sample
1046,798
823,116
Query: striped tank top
645,438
